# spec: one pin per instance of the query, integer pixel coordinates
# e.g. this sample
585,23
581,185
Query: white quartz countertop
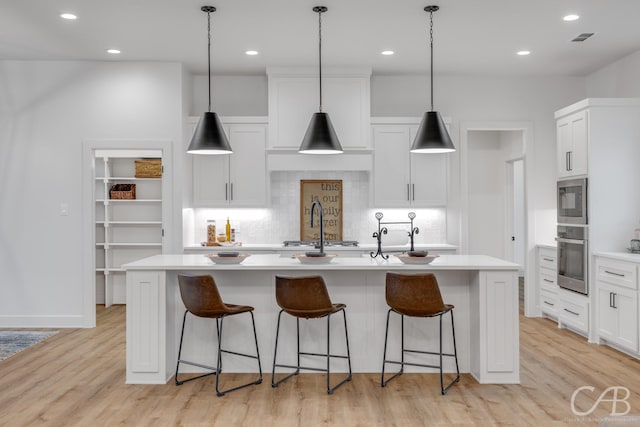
547,245
280,247
623,256
277,262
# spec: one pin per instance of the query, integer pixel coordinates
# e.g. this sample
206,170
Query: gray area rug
12,342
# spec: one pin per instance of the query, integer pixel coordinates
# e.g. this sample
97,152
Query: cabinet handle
231,190
572,312
226,191
614,300
548,303
548,259
615,274
548,281
566,161
413,191
570,160
611,299
408,193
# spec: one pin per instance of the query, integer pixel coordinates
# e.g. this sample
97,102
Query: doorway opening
495,168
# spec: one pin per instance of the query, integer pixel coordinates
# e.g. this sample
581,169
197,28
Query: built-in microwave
572,201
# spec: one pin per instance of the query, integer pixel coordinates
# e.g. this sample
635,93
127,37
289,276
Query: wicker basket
148,168
123,192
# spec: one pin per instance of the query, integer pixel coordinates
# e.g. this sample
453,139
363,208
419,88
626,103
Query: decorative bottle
228,230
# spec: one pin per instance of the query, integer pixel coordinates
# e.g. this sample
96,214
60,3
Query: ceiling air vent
582,37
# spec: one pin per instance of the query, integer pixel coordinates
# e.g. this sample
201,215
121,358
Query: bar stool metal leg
383,383
176,380
329,355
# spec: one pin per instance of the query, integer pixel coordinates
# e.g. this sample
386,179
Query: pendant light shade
432,136
320,137
209,137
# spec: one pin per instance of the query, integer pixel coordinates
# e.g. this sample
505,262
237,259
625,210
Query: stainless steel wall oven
573,254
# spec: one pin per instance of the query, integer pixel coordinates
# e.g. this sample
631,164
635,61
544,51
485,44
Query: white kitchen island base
484,291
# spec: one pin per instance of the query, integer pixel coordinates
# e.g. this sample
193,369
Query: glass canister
211,231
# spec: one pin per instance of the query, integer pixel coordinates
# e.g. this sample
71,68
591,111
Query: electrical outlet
64,209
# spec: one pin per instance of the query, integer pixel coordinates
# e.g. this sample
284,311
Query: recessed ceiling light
523,52
387,52
251,52
571,17
113,51
69,16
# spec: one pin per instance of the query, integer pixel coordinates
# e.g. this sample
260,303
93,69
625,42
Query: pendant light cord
209,54
431,43
320,56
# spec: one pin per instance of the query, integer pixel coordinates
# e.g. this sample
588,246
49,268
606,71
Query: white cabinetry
617,293
237,179
573,311
294,98
126,230
401,178
572,144
547,281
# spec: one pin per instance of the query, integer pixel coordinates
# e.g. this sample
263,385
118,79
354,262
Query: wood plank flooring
76,378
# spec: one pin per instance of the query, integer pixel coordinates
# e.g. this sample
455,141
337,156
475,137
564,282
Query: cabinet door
579,136
391,166
247,171
572,140
607,315
563,136
626,303
211,179
428,177
293,100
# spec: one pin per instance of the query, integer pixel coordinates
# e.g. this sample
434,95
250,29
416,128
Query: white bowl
217,259
415,259
315,259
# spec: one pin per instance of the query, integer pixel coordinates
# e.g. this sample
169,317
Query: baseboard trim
42,321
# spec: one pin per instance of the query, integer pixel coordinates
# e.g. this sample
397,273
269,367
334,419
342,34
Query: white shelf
133,223
129,200
124,178
130,245
110,270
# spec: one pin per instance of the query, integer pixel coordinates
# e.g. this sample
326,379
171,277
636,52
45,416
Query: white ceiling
471,36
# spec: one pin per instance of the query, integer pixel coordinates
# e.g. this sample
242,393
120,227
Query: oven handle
574,241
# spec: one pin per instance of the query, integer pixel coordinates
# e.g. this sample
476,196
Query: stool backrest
414,294
303,296
200,294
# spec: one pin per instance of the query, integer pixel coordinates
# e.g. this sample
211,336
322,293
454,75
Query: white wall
617,80
47,109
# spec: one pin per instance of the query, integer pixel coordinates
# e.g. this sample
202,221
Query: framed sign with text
329,194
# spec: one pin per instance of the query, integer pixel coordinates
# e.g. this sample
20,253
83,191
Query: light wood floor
77,378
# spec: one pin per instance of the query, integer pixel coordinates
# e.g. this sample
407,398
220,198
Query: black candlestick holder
383,230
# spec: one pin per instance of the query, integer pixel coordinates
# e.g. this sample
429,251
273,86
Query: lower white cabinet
573,311
548,281
617,296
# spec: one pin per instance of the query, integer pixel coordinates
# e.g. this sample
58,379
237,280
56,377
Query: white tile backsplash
281,220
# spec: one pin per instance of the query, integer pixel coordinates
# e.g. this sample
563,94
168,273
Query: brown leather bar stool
417,295
308,298
201,298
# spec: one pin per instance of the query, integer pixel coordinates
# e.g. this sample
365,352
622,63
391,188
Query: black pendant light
209,137
432,136
320,138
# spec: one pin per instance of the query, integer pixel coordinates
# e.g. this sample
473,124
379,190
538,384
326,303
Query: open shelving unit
126,229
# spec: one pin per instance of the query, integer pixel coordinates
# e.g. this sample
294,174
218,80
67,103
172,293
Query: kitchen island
483,289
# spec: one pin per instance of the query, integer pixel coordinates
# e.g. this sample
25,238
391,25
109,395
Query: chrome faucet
321,213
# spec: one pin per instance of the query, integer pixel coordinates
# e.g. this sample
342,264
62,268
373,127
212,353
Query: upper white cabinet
401,178
294,98
237,179
572,138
